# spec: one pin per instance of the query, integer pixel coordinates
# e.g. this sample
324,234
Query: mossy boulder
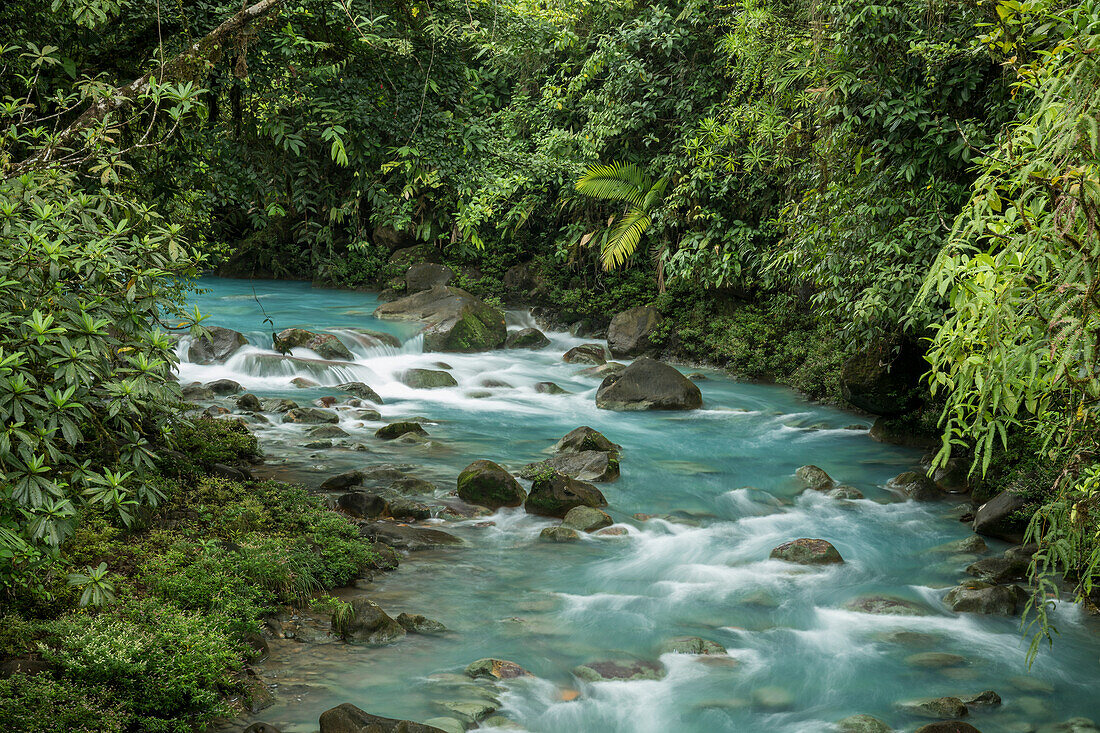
326,345
815,478
692,645
549,388
586,519
489,485
917,486
310,415
427,379
585,438
368,624
589,465
553,494
526,338
347,718
935,707
455,320
862,724
397,429
559,534
496,669
985,598
620,670
360,390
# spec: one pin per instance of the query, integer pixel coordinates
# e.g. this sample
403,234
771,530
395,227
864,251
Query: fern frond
624,239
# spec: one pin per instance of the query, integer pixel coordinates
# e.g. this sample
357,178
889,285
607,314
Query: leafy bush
86,389
44,704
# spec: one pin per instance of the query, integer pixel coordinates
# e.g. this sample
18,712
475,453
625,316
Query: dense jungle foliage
789,181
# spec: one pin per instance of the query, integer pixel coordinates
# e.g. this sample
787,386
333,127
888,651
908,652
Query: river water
719,485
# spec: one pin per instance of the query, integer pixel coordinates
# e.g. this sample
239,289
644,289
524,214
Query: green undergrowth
189,583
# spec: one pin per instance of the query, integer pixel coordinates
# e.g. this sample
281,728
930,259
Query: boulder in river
935,707
935,660
426,276
886,606
692,645
549,388
553,494
360,390
397,429
368,623
979,597
862,724
1001,517
631,332
807,551
999,569
415,623
586,519
948,726
342,481
585,438
648,385
815,478
216,346
347,718
585,354
986,697
526,338
278,404
456,320
489,485
427,378
917,486
589,465
249,402
326,345
223,386
559,534
619,669
310,416
496,669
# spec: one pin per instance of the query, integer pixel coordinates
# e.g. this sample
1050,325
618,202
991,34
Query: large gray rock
980,597
426,276
585,438
360,390
402,537
214,348
648,385
427,378
631,332
589,465
397,429
489,485
917,486
310,416
862,724
347,718
692,645
362,504
999,569
935,707
585,354
368,624
553,494
1002,517
815,478
326,345
455,320
526,338
559,534
586,519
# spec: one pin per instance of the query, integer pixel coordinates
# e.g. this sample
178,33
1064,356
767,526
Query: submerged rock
619,669
886,606
456,320
310,416
489,485
807,551
935,707
216,346
549,388
632,332
588,465
497,669
935,660
586,519
949,726
397,429
419,624
402,537
327,431
648,385
427,379
979,597
692,645
527,338
553,494
585,354
862,724
304,383
347,718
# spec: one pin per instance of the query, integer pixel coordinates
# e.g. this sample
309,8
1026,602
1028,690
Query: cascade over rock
455,320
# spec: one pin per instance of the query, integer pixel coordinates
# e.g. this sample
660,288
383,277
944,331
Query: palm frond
654,194
624,182
624,239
